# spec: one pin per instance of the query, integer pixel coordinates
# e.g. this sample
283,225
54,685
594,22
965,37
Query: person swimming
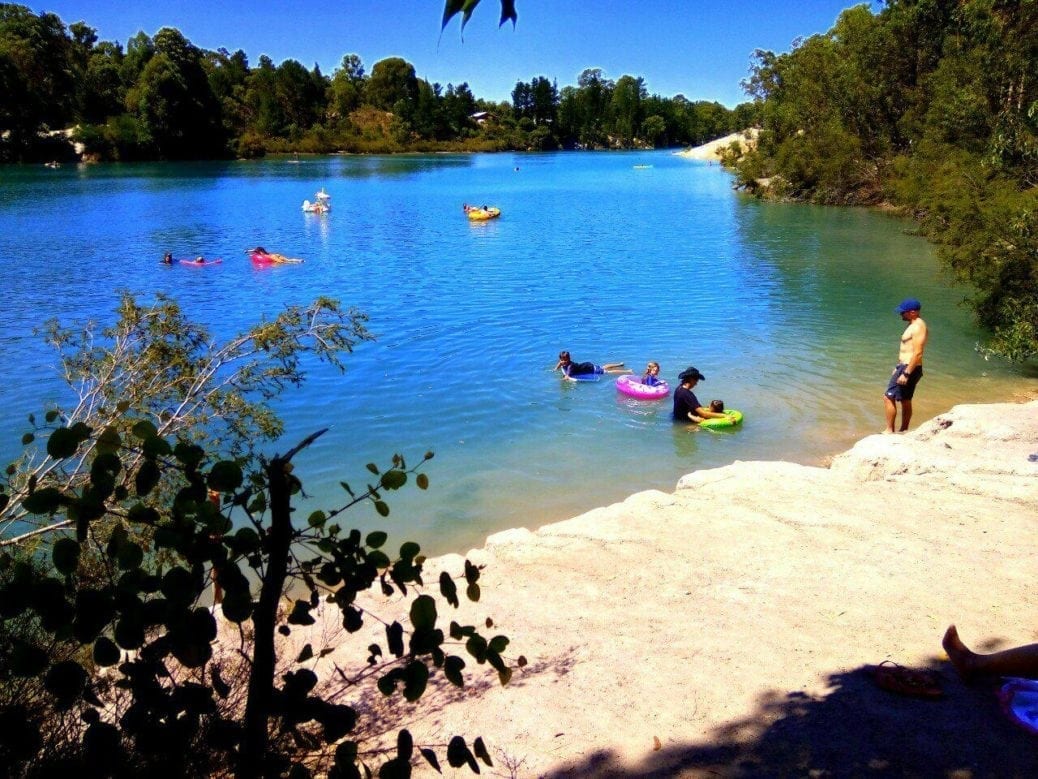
571,369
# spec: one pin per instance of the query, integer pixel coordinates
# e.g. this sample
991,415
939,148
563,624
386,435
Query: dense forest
929,105
161,97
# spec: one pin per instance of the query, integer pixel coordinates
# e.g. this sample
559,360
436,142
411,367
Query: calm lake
787,309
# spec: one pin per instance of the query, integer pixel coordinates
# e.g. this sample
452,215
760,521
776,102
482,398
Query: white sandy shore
714,149
724,629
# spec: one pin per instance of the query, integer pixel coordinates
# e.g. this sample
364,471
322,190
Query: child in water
652,374
717,405
571,369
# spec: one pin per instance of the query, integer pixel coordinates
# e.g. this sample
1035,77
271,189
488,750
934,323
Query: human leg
891,398
612,366
1018,661
907,393
890,408
906,414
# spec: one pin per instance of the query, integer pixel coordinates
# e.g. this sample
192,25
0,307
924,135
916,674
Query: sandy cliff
724,629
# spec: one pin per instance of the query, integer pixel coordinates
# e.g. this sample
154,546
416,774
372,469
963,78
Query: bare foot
960,655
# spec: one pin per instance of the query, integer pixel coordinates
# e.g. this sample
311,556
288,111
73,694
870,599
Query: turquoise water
788,310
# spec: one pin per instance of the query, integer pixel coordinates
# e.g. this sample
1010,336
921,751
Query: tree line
161,97
930,105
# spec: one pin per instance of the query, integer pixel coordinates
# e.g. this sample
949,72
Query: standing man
687,407
909,368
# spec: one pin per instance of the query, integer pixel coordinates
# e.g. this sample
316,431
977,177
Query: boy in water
571,369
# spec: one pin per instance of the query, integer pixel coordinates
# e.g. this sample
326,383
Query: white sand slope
713,150
724,629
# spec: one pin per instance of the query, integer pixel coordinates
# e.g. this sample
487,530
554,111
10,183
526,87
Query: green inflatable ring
732,421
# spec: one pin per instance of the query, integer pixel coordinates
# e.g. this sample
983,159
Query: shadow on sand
855,730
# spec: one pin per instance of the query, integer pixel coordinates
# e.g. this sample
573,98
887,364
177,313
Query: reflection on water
787,309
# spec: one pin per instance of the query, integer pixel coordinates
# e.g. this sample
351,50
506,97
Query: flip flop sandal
912,682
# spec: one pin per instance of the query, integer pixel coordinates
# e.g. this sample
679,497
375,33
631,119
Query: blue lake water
787,309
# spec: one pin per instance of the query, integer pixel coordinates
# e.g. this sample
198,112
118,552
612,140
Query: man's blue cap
908,304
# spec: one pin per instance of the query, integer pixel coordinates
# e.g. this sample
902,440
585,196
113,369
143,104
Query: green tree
346,90
174,101
625,109
264,108
228,76
37,73
102,93
931,104
457,106
301,96
392,82
133,540
173,374
653,128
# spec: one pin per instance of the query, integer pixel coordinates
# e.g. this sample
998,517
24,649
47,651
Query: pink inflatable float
630,386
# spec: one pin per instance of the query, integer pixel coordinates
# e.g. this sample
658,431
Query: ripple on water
787,310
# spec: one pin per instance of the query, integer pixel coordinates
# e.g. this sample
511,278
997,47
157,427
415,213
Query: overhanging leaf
449,590
226,476
508,12
430,758
66,555
458,754
423,613
45,501
147,477
64,441
106,653
452,667
416,677
301,614
481,751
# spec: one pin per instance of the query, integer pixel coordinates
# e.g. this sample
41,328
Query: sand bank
725,628
713,150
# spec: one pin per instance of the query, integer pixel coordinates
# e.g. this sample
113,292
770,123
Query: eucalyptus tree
392,84
264,109
228,76
139,49
174,102
346,89
301,96
456,107
625,109
102,92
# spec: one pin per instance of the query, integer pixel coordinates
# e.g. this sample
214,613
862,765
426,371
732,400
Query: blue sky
698,49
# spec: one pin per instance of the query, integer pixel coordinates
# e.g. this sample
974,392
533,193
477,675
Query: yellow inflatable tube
483,214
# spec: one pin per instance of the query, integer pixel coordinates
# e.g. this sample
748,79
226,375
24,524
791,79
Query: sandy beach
727,628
